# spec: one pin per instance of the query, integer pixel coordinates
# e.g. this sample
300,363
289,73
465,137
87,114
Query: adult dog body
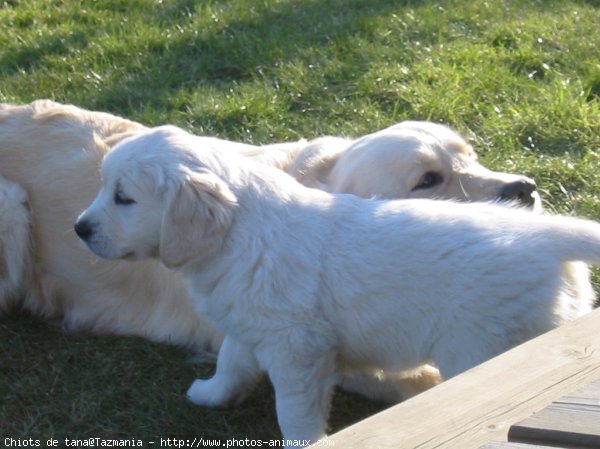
53,152
306,284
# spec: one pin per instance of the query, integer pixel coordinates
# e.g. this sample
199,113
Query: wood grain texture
572,420
505,445
479,406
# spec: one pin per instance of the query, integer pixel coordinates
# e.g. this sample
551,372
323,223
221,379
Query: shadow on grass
52,385
251,46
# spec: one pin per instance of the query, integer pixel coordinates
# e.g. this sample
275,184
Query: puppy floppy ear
196,220
316,160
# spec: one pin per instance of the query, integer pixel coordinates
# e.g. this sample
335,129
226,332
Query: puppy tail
576,240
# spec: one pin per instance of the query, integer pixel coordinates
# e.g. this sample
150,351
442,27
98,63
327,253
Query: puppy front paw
208,393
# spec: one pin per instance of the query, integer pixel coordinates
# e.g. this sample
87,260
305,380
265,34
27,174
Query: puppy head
422,160
158,199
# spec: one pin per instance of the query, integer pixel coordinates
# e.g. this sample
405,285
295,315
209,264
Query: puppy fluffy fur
306,284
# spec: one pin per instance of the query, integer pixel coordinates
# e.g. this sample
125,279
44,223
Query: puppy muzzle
84,229
523,191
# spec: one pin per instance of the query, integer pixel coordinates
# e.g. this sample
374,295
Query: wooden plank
588,395
504,445
573,419
480,405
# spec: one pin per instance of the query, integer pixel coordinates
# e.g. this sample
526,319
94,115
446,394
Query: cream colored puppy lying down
305,283
407,160
53,151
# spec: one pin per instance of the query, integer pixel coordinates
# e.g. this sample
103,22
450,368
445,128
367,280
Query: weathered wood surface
504,445
573,421
479,406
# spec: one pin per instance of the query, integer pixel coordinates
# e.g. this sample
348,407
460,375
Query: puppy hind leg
237,373
303,396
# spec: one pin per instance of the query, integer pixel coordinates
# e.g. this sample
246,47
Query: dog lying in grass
407,160
307,284
53,151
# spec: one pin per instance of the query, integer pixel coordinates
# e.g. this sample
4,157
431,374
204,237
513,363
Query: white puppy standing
306,284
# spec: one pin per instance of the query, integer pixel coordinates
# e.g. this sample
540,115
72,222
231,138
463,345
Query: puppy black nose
84,229
520,191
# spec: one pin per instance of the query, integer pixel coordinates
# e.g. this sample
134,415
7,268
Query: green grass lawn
520,79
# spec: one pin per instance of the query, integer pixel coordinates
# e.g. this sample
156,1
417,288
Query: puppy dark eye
429,180
122,200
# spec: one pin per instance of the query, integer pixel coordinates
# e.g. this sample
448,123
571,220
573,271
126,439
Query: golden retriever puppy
407,160
306,284
412,159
